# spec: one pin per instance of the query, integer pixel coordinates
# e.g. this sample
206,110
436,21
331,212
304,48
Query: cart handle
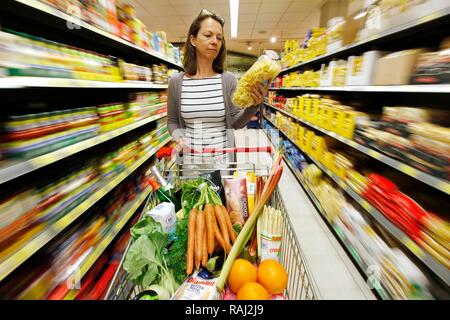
267,149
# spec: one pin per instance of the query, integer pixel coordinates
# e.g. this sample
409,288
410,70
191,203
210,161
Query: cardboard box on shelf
361,69
351,29
396,68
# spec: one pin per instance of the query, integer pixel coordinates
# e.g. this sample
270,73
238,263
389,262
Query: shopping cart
300,286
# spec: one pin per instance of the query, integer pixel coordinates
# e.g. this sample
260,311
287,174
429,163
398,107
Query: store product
73,249
199,286
335,32
269,234
164,195
263,71
164,213
396,68
31,135
25,55
236,195
433,67
396,273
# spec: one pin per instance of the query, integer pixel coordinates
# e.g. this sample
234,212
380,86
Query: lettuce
146,258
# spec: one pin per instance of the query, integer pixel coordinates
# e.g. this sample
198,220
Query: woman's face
209,39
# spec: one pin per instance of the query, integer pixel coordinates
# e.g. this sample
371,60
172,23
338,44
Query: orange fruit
252,291
242,271
272,276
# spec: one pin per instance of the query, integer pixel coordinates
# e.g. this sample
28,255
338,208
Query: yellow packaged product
263,71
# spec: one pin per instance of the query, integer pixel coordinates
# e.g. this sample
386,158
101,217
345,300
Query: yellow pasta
263,70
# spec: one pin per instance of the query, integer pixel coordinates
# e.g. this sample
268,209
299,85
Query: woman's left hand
258,93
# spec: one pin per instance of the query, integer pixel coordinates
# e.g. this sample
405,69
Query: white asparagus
258,236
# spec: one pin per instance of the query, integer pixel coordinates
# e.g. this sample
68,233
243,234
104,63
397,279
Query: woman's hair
190,57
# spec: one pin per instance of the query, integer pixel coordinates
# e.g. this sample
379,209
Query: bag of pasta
263,71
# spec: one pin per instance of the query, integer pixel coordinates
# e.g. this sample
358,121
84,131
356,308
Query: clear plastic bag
264,70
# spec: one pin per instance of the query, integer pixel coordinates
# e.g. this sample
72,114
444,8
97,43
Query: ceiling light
273,39
360,15
249,47
234,13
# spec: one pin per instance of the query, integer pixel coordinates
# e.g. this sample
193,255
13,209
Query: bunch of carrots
209,227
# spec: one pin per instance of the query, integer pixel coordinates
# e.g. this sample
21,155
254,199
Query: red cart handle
267,149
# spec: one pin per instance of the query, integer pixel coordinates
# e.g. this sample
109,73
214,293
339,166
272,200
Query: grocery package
396,68
433,67
269,234
395,274
237,202
43,204
335,32
361,69
263,71
199,286
102,14
31,135
425,228
25,55
389,14
164,213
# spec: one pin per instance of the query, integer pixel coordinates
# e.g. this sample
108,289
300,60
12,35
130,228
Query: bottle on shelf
163,195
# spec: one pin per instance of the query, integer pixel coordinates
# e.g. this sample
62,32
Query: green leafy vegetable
146,258
195,193
177,253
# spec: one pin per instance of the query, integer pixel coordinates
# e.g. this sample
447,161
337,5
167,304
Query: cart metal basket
300,283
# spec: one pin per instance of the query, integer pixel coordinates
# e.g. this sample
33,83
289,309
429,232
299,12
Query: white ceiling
284,19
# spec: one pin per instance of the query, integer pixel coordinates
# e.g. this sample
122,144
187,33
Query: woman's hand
180,144
258,93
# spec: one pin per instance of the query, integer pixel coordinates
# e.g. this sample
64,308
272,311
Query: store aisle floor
334,274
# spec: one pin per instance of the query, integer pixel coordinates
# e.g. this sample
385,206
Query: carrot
231,231
217,234
223,227
204,250
209,228
199,230
191,242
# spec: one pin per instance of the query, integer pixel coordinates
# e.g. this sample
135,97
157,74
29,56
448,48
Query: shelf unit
42,20
432,20
46,14
423,88
42,82
340,235
435,266
421,176
129,210
31,247
16,169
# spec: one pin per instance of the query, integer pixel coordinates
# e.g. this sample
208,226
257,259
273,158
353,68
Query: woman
200,111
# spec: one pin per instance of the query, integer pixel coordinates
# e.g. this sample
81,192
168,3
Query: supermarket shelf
419,88
421,176
441,271
11,263
381,292
74,26
408,29
129,211
42,82
13,170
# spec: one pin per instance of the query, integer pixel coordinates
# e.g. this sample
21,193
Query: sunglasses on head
208,13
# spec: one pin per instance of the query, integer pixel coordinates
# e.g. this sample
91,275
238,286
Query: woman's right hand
180,144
